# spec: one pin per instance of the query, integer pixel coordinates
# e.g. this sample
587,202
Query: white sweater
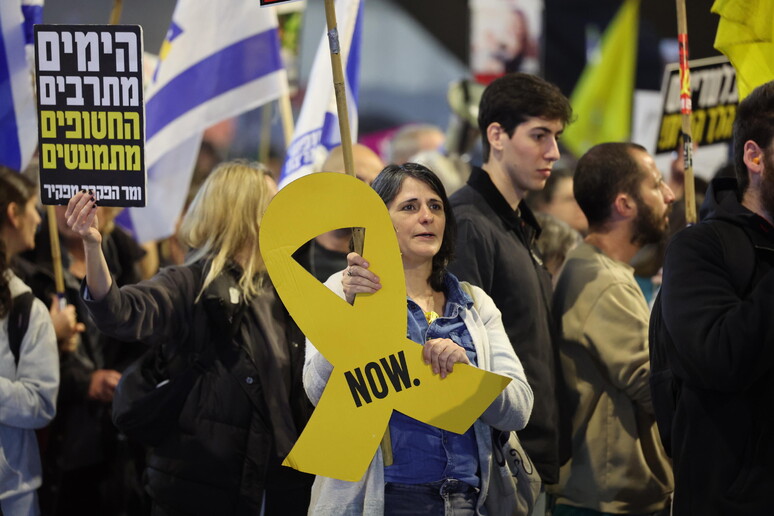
27,396
509,411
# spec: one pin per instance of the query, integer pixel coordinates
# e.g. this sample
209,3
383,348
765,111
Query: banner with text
713,97
90,113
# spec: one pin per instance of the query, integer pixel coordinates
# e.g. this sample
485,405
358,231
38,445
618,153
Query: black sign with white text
91,123
713,98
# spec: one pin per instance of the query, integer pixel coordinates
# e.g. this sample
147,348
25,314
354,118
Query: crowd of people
626,401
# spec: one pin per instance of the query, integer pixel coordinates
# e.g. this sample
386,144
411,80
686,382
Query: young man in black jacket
716,326
521,117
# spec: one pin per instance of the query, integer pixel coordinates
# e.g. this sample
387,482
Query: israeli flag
317,128
219,59
18,113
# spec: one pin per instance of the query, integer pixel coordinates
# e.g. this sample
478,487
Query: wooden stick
56,251
340,90
685,110
115,14
286,115
264,143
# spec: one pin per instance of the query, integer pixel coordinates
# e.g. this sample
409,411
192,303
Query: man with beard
618,464
714,320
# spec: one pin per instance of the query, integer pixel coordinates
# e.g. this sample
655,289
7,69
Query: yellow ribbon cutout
376,369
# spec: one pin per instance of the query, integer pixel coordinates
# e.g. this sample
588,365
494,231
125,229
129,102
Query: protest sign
90,113
376,369
269,3
713,98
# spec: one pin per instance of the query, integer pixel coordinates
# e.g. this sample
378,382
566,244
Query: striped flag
219,59
317,128
18,115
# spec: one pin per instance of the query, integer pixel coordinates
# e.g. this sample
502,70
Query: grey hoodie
27,396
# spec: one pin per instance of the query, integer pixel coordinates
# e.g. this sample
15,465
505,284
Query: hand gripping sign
376,369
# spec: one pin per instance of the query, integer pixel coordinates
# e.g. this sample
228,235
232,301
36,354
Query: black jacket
723,333
247,408
495,251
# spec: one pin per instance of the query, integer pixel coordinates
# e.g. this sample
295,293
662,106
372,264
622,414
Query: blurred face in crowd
28,220
529,154
653,202
564,207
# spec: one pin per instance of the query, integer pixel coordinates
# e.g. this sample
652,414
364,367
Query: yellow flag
602,99
745,35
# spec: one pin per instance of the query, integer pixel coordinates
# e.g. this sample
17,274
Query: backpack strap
19,321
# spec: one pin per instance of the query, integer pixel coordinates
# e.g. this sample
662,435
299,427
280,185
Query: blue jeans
448,497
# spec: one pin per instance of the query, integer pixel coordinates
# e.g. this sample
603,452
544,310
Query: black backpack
19,321
153,390
738,253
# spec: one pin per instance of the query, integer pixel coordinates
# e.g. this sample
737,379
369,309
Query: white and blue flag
18,114
219,59
317,128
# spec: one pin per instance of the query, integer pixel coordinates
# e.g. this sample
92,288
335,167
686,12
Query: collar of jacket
522,221
722,203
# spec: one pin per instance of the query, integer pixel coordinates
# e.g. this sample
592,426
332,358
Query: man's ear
494,132
624,206
753,157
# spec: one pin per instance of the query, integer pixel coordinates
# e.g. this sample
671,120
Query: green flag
602,99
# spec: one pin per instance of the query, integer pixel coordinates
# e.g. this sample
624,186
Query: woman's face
419,220
28,222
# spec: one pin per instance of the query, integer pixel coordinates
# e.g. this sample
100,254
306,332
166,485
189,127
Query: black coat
723,333
495,251
246,409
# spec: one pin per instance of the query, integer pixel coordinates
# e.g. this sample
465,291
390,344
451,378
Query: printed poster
91,121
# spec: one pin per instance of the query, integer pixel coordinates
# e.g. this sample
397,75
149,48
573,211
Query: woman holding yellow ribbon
434,472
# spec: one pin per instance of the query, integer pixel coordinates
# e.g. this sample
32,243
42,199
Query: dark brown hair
14,188
387,185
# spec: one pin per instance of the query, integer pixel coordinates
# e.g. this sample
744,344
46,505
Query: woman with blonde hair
247,406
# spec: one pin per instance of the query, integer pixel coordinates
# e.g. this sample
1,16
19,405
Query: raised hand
81,216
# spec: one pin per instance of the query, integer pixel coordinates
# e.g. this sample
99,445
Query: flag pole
56,255
685,110
115,13
341,106
264,143
286,115
340,91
